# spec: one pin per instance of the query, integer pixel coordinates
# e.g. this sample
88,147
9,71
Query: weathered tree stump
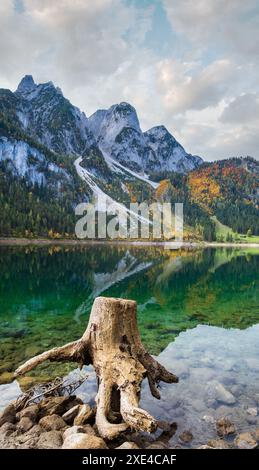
112,344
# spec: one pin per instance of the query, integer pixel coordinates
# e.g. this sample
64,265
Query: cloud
243,109
229,26
99,54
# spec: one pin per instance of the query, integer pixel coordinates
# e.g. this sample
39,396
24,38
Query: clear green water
46,295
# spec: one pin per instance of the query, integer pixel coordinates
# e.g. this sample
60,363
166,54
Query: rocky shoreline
65,422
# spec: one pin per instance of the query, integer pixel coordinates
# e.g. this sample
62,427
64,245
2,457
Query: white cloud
95,51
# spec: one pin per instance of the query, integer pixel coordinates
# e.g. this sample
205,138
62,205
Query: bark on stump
112,344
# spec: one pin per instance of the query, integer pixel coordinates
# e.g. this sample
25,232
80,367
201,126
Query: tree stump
112,344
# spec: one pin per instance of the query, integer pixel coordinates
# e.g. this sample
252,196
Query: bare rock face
83,441
8,415
86,429
245,441
52,423
128,445
84,416
50,440
225,427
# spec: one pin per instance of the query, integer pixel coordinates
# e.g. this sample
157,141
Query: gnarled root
112,344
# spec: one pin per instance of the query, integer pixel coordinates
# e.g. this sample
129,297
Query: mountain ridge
52,147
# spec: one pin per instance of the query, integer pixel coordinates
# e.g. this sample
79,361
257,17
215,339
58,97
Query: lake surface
46,294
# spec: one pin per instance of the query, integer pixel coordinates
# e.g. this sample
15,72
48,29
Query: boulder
52,422
218,444
8,415
30,412
25,424
57,405
252,411
225,427
245,441
83,441
205,446
7,429
128,445
36,430
256,434
85,415
50,440
70,415
158,445
86,429
223,395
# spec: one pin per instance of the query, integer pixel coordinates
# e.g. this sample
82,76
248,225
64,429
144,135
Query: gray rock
8,415
30,412
7,429
252,411
217,391
186,437
50,440
86,429
70,415
208,419
225,427
128,445
158,445
52,422
83,441
245,441
25,424
218,444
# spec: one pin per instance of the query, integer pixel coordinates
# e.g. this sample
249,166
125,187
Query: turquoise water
46,295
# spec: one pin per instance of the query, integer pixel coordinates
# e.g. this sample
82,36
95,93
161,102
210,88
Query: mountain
119,135
170,155
53,157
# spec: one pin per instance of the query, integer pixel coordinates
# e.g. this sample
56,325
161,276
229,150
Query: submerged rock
245,441
225,427
218,444
186,437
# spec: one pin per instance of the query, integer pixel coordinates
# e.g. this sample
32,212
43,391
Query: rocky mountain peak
27,84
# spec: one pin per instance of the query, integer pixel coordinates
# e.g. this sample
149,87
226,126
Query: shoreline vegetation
6,241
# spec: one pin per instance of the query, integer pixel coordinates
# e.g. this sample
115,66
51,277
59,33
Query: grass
222,231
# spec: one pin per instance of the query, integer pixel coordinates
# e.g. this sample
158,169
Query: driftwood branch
112,344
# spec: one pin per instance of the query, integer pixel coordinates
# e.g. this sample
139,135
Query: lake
197,310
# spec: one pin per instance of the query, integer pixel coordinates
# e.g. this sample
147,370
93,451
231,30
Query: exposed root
112,344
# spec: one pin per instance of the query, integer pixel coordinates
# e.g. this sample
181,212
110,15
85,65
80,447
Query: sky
191,66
